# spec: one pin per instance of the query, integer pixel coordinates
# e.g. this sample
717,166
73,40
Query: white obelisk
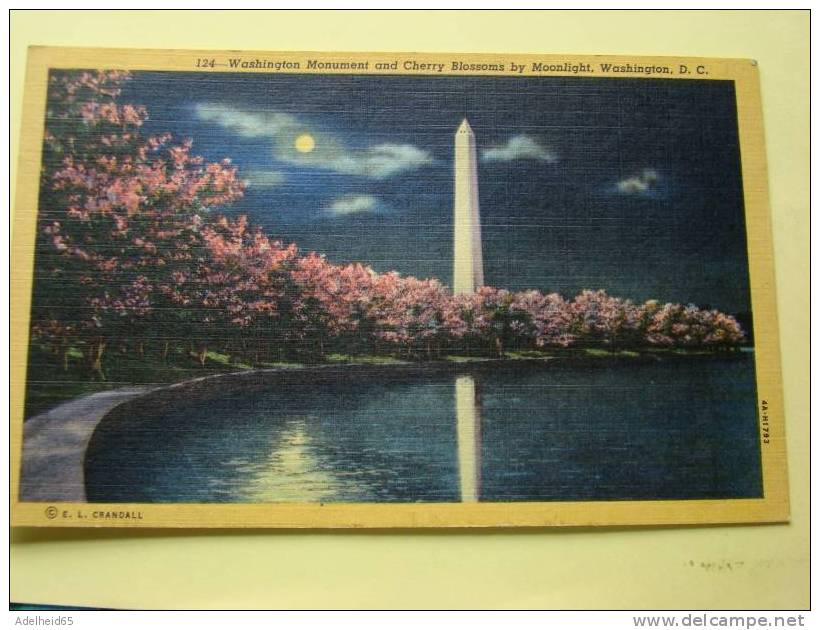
468,266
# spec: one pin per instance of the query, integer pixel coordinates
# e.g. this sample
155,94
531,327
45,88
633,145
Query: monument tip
465,127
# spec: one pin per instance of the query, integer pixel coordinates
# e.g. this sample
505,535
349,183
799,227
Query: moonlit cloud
353,204
264,179
379,161
247,124
520,147
639,184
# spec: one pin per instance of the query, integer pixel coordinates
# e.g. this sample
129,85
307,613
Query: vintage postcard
392,290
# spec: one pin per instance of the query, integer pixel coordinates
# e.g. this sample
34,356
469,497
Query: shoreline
592,357
55,441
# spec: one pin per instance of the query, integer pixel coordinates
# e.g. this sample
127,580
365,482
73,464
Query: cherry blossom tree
240,287
688,326
119,212
598,318
415,315
132,251
550,318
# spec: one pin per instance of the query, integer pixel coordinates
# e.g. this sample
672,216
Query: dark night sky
628,185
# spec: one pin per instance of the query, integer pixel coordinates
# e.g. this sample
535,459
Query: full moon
304,143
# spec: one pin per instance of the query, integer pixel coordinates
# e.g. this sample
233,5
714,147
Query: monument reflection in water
662,430
468,425
294,473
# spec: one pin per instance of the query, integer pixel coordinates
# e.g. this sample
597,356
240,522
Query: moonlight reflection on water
661,430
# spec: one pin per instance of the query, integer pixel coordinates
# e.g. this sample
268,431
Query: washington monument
468,266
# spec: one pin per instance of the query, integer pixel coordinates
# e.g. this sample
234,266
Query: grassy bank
49,385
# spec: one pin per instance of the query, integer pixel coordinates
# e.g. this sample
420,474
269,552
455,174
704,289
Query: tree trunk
97,351
499,349
165,349
65,358
141,349
203,354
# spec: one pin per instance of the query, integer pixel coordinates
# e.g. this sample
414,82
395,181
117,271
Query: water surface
677,429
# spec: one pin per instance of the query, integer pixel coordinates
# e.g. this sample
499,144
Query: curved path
55,442
54,445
